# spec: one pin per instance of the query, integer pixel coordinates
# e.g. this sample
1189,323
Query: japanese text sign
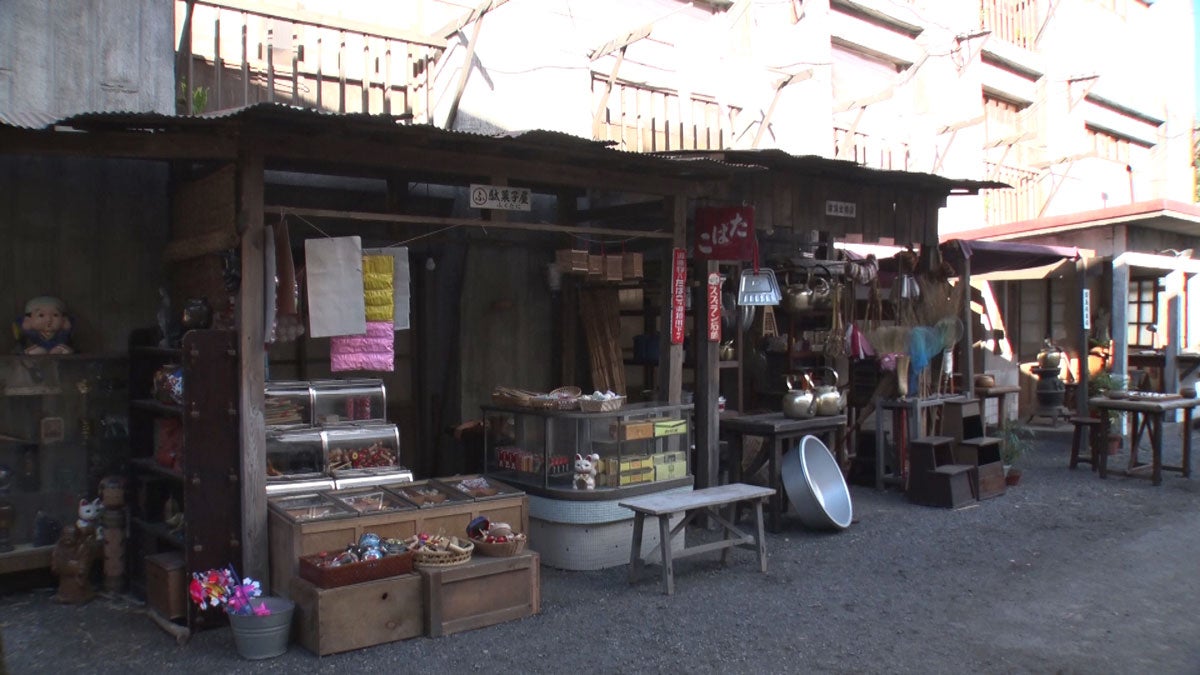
714,307
499,197
678,294
725,233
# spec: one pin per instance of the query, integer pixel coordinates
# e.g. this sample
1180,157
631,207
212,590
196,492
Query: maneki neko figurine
45,327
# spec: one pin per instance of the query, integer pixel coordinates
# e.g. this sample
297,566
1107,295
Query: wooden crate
330,620
166,584
482,592
632,431
289,541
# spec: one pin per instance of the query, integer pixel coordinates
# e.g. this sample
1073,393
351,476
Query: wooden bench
708,500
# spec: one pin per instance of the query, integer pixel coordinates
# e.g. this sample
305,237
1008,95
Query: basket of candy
438,550
495,539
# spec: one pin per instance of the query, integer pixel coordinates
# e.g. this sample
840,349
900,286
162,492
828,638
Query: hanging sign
725,233
678,294
714,307
499,197
841,209
1087,309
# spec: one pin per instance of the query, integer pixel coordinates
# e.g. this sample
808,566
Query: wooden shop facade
105,209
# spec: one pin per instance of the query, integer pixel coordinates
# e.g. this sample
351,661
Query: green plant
199,98
1016,439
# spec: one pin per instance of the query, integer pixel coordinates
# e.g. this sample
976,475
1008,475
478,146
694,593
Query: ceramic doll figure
45,327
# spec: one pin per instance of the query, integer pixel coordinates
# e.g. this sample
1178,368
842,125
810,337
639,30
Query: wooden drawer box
166,584
289,541
330,620
482,592
670,427
632,431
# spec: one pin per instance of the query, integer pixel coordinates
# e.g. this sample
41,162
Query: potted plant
1100,385
1016,439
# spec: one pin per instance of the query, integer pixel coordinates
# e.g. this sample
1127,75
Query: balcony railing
231,54
646,119
870,151
1013,21
1022,202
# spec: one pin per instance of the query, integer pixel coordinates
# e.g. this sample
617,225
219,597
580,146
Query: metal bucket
815,486
263,637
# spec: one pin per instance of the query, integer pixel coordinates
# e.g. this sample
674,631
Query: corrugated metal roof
533,144
28,120
815,165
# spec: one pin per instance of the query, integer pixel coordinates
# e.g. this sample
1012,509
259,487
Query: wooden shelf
25,557
157,407
148,465
166,352
159,531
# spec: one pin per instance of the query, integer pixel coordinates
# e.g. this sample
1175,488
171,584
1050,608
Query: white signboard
841,209
1087,309
499,197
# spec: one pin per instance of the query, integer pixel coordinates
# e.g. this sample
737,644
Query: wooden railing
870,151
646,119
232,54
1022,202
1013,21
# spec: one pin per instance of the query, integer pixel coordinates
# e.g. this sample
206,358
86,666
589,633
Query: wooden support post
465,73
708,380
252,355
968,340
1175,286
1120,319
1081,390
670,386
598,118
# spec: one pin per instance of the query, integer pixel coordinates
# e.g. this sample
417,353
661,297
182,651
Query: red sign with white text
725,233
714,307
678,294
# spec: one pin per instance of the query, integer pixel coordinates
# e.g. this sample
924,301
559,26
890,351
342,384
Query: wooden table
708,500
1153,409
778,431
1001,395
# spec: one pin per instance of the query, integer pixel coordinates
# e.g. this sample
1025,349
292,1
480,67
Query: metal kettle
798,403
827,399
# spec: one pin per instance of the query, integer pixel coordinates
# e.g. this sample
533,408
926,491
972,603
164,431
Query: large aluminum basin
815,486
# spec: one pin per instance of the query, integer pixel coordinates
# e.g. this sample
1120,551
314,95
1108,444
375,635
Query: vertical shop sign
714,307
678,294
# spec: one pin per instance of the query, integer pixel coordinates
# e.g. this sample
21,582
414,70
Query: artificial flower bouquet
221,588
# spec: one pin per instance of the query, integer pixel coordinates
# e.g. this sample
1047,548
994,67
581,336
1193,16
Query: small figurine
45,327
89,518
585,471
71,560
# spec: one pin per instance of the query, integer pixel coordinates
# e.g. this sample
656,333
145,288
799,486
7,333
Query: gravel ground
1065,573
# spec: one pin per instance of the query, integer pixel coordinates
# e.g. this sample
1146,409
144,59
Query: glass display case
641,447
427,493
309,507
336,401
368,445
479,487
288,404
295,454
372,500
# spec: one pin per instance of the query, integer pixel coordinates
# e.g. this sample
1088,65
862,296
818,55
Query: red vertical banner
678,294
714,307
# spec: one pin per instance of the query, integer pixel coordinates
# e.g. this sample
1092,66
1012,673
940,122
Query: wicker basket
510,396
502,550
427,558
563,398
608,405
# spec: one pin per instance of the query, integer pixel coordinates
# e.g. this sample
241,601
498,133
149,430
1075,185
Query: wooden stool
1091,424
934,479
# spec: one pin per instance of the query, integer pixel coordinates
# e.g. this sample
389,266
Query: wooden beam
779,87
474,15
252,355
670,385
434,221
321,20
598,117
620,43
708,379
465,73
119,144
422,161
631,210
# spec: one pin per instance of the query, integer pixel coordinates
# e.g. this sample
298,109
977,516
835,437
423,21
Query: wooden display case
290,538
331,620
481,592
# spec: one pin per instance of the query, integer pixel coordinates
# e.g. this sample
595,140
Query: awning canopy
1003,256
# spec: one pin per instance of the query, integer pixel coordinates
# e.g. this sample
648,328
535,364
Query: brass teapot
827,399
